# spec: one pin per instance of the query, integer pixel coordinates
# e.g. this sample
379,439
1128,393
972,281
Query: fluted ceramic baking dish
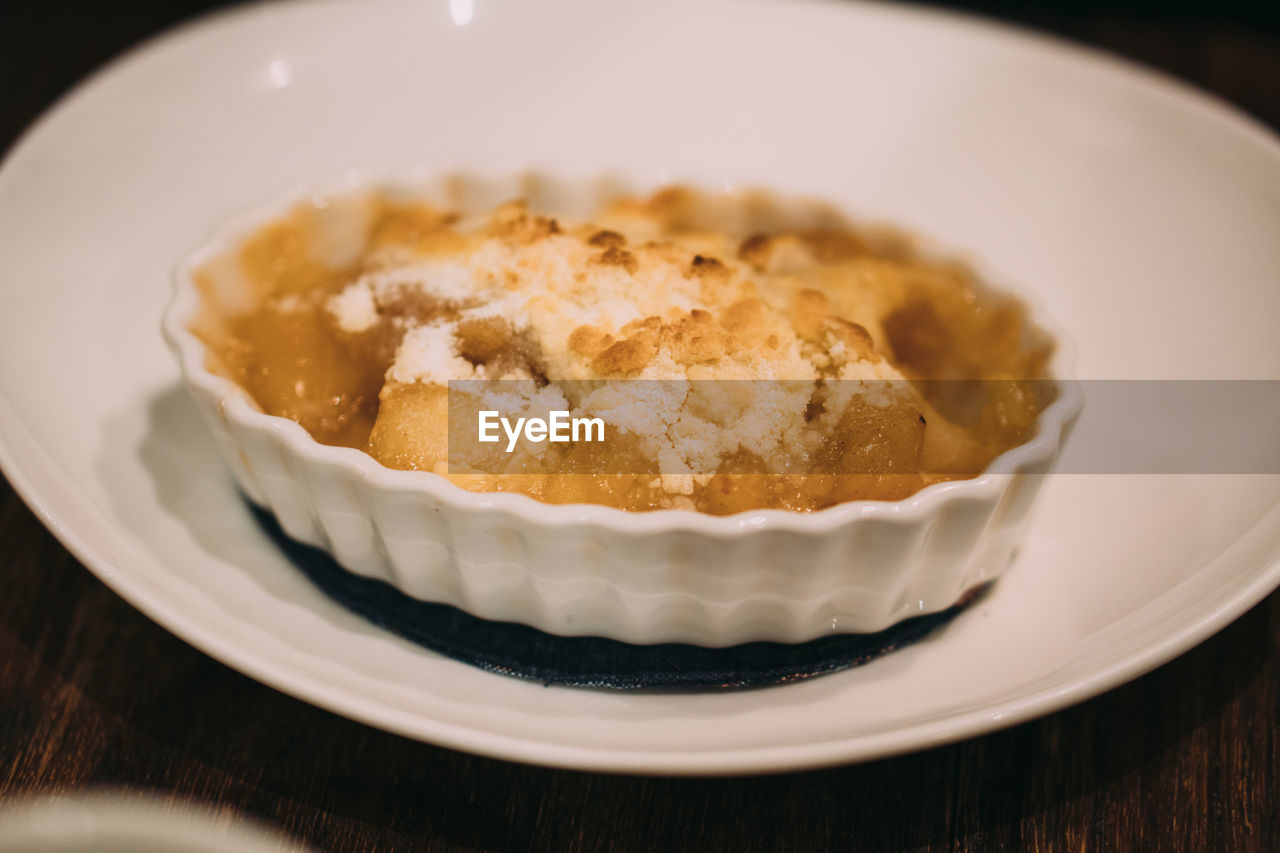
650,577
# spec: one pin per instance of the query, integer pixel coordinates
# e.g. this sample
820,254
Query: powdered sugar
430,353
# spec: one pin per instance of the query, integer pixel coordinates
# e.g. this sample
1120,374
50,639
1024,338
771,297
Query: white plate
109,821
1142,214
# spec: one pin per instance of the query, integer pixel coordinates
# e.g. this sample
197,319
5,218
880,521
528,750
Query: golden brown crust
589,341
809,308
704,266
513,221
855,339
695,339
745,315
626,356
831,246
618,257
484,339
606,239
755,250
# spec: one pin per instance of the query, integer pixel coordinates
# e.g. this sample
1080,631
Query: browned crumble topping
654,288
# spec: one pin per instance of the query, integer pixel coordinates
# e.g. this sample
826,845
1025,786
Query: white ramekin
651,577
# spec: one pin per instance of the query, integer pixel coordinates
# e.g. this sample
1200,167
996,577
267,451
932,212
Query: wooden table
94,694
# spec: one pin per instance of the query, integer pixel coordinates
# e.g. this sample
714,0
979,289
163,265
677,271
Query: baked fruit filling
791,362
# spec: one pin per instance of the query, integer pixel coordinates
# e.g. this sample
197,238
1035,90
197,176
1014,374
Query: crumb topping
588,302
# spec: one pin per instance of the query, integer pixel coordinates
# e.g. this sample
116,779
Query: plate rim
769,759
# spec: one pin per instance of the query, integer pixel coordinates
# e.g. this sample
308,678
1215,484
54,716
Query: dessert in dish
800,362
305,329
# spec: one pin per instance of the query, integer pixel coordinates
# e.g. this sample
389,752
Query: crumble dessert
783,364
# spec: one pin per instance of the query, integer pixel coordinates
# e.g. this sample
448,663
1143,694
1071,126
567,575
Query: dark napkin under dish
519,650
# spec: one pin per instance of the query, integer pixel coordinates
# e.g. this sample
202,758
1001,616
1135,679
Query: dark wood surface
94,694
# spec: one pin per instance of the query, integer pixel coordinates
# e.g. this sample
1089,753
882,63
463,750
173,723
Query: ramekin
582,569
